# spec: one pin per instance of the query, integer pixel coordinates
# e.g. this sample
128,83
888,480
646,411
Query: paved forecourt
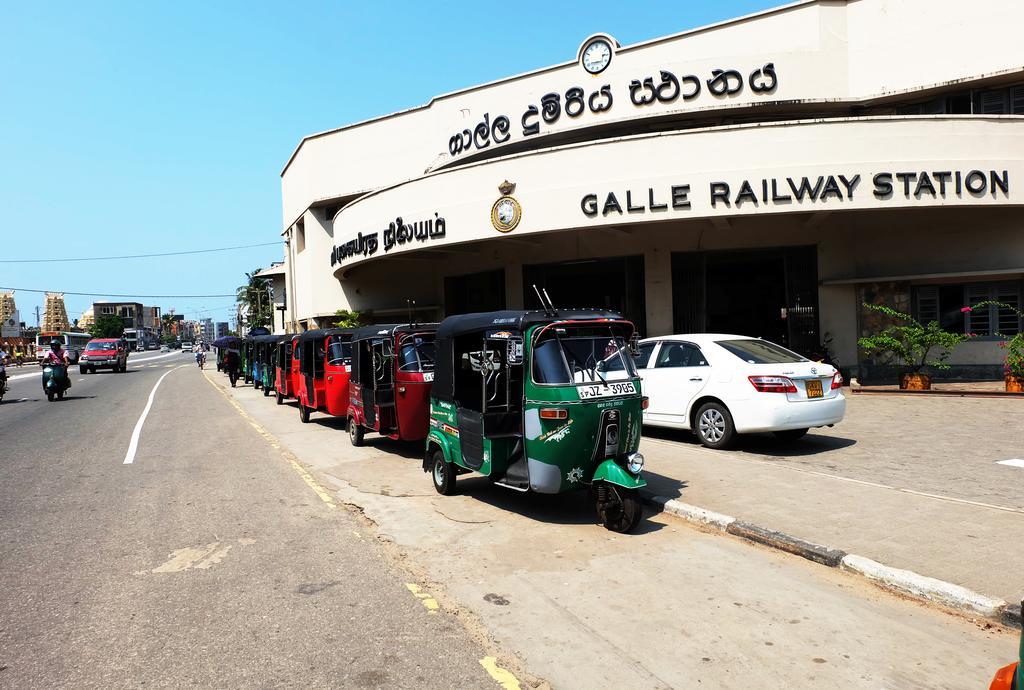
670,606
906,481
208,561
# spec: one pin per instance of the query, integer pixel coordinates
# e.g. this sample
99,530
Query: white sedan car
720,385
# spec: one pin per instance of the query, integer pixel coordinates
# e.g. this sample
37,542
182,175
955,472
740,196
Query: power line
135,256
110,294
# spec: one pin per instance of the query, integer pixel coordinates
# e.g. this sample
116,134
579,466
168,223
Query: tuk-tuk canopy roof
389,329
321,333
516,320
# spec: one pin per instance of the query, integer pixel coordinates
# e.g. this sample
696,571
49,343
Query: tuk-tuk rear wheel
355,432
619,509
443,474
303,413
280,398
49,396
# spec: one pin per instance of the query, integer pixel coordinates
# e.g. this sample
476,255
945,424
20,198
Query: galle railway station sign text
779,191
667,87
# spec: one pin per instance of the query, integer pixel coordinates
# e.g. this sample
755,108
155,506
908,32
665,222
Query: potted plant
1013,362
912,346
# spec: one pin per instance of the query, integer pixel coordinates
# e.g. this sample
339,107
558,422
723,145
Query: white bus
73,343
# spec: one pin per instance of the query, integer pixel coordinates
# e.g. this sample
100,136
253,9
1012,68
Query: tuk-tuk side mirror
634,344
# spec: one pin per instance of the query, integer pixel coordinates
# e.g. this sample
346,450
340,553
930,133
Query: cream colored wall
822,51
552,183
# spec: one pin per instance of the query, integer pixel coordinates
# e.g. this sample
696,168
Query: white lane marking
81,379
133,446
1012,462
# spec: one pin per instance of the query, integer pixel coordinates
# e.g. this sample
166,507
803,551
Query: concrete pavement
209,561
669,606
910,482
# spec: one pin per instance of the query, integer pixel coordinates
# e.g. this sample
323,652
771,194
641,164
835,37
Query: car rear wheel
714,427
790,434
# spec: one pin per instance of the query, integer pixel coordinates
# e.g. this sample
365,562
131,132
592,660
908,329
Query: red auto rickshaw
392,372
324,361
286,368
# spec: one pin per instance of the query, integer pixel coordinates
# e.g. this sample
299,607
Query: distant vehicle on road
72,342
104,353
165,349
152,346
719,385
186,346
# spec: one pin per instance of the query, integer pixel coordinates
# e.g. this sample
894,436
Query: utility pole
37,316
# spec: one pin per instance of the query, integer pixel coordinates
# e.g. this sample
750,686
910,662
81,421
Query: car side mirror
634,344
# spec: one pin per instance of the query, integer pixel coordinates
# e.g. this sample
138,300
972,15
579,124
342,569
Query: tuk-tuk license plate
814,389
606,391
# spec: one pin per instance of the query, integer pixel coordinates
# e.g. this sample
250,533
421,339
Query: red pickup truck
104,353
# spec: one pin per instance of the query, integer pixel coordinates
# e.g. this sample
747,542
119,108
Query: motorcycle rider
58,356
4,361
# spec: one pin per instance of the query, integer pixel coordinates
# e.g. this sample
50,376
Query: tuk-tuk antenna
411,304
540,298
550,303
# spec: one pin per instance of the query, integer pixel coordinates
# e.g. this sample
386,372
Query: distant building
87,319
208,332
131,313
222,329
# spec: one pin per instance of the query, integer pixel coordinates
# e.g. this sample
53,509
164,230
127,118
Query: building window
1001,101
300,237
945,303
106,310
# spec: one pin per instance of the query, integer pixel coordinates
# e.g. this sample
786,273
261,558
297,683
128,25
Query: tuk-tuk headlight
635,462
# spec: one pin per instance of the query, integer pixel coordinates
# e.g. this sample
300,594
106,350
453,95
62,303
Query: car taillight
554,413
837,381
772,384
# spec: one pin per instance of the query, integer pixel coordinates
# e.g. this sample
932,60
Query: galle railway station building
764,176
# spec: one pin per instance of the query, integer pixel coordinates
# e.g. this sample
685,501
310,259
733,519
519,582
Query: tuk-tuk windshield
416,353
573,354
339,352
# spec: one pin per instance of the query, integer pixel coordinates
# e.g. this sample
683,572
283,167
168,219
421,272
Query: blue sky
131,128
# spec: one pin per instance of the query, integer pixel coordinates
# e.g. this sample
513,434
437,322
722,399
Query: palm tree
255,295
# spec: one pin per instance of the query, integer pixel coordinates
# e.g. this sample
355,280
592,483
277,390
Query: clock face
505,214
596,56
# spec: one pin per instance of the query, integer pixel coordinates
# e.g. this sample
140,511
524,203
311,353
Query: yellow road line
503,676
311,482
428,601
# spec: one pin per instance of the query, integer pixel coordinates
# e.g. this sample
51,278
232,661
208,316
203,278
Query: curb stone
920,587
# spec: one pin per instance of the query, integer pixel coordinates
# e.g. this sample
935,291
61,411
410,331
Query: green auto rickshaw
545,401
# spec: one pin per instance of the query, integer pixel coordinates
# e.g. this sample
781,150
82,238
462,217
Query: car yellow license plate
814,389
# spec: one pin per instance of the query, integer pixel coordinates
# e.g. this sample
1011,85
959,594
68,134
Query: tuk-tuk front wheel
280,398
619,509
266,391
443,474
355,432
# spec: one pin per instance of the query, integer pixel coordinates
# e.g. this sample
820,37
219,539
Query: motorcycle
55,381
3,381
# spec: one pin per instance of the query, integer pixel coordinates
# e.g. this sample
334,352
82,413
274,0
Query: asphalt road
207,561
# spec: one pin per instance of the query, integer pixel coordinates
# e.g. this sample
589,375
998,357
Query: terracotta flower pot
915,382
1014,384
